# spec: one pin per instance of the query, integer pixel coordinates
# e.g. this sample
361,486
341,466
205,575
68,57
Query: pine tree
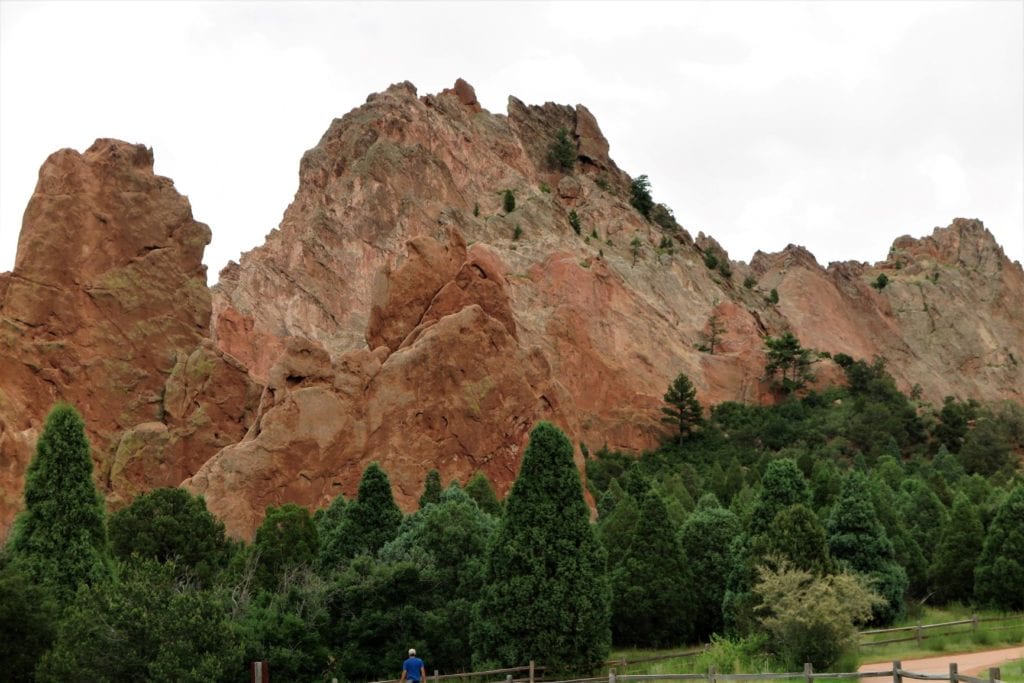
431,489
480,490
857,539
640,193
365,524
286,539
782,485
952,571
683,411
999,574
61,536
650,604
546,595
562,153
704,541
788,358
509,201
797,535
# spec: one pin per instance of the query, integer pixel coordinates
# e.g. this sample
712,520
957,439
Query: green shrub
517,233
724,268
640,191
545,188
710,260
749,282
773,296
880,282
476,209
509,201
574,221
562,153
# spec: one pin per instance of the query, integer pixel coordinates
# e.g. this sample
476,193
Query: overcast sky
837,126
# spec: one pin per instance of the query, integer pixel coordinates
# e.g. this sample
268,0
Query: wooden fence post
974,621
436,674
531,671
953,672
896,677
508,678
994,674
611,675
259,672
919,633
808,672
711,674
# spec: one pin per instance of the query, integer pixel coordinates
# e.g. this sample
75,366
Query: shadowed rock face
394,315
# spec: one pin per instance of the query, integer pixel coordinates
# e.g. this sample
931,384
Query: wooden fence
919,631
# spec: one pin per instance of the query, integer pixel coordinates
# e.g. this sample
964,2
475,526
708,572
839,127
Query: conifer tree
61,536
615,530
952,571
797,535
704,541
782,485
683,411
286,539
431,489
650,604
999,574
546,596
479,489
365,524
858,540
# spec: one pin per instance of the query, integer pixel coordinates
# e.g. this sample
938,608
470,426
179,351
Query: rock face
401,314
106,308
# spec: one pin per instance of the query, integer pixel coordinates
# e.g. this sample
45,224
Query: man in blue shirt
413,669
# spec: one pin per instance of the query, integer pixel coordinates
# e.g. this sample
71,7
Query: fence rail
919,629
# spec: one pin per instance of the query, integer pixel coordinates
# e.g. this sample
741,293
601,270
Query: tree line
783,527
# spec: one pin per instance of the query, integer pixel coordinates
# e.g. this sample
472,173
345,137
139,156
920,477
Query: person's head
412,652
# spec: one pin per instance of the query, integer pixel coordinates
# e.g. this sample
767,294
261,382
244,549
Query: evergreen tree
431,489
986,449
683,411
61,536
480,490
562,154
923,514
999,574
546,596
858,539
28,622
797,535
616,529
704,541
286,539
366,524
952,571
640,193
171,524
509,201
788,358
782,485
650,607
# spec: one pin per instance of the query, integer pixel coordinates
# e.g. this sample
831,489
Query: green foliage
725,268
546,595
786,357
574,221
480,490
517,233
509,201
61,536
649,605
960,544
812,618
287,539
999,573
798,536
476,209
773,296
365,524
146,627
683,410
640,195
562,153
545,188
749,282
663,216
953,421
616,525
880,282
704,541
431,489
782,485
857,539
449,542
28,622
710,260
986,449
170,524
636,248
288,627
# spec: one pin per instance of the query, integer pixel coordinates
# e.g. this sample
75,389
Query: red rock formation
400,314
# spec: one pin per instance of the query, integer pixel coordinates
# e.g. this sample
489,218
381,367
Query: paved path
971,663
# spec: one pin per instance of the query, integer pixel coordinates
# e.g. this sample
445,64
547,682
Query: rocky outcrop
400,313
106,308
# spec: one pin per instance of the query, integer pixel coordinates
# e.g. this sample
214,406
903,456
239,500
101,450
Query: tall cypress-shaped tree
952,571
857,539
705,539
364,525
479,489
431,489
61,536
651,605
683,411
546,595
999,574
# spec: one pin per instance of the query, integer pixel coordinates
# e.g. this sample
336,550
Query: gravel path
971,663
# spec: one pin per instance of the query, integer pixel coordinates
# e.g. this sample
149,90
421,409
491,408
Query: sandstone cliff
400,314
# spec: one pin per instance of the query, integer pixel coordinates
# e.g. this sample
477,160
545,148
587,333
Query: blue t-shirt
412,667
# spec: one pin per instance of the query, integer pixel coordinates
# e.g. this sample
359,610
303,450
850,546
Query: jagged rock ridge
394,315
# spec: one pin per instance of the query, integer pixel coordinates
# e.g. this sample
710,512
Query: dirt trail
971,663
